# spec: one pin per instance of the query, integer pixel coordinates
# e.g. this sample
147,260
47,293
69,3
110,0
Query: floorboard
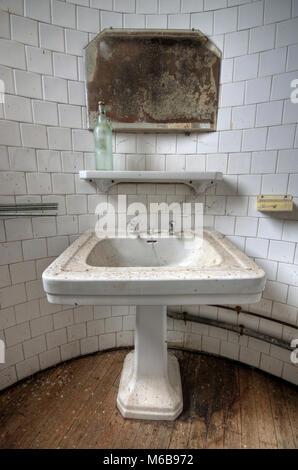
73,405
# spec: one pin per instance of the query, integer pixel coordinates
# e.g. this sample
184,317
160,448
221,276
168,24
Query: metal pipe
240,329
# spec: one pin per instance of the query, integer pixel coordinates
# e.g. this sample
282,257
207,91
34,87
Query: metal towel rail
38,209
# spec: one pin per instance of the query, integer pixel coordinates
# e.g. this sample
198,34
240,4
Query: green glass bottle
103,140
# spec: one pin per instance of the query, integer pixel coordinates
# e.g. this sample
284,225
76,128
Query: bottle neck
101,113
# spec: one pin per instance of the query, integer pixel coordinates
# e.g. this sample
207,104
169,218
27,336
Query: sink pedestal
150,385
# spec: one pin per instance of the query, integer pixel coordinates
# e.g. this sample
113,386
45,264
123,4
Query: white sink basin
151,273
148,270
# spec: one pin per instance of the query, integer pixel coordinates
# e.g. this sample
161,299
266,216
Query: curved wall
44,143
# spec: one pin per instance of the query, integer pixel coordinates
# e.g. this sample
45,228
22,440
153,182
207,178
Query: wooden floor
226,405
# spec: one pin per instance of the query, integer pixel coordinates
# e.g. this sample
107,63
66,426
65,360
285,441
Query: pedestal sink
152,272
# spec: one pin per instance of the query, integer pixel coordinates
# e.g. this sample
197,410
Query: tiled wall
44,143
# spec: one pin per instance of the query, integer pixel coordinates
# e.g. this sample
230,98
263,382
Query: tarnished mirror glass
153,80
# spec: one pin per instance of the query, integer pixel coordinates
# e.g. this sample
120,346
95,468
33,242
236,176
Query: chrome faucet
171,227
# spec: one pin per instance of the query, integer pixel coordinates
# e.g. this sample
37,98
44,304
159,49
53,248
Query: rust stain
153,79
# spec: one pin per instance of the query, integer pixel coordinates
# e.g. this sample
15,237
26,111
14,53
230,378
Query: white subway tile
236,44
70,116
202,21
293,185
287,33
34,249
12,54
48,161
224,119
55,89
22,272
34,346
181,21
12,183
277,11
225,224
280,137
190,6
146,143
290,113
281,85
76,93
10,252
22,159
75,41
243,117
134,21
225,20
288,273
67,225
143,6
43,227
169,6
59,138
216,162
65,66
246,67
274,184
125,143
51,37
45,113
257,90
287,161
39,183
269,114
186,143
88,19
17,334
246,226
230,141
39,60
72,162
124,5
293,296
6,75
254,139
272,62
28,84
236,205
4,25
263,162
239,163
101,4
34,136
38,10
232,94
281,251
270,228
63,14
250,15
24,30
56,245
292,63
63,183
249,185
76,204
262,38
17,108
226,70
